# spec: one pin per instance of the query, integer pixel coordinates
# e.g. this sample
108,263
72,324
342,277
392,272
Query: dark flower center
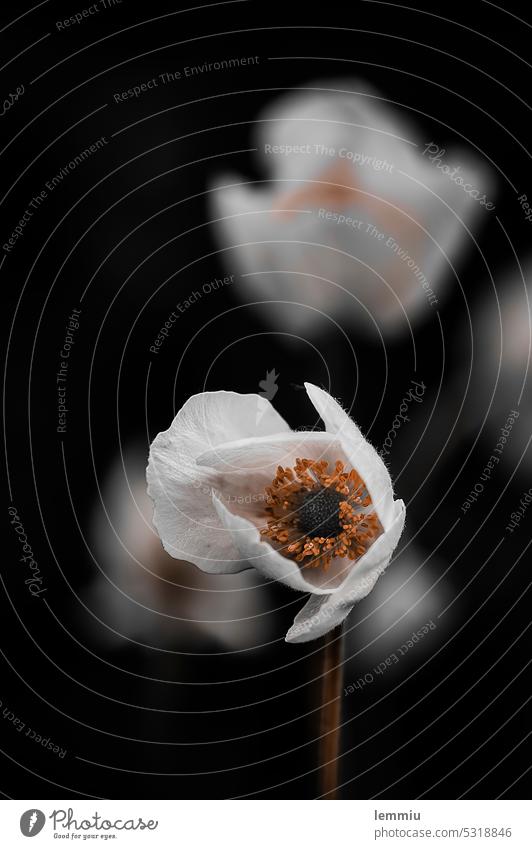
318,515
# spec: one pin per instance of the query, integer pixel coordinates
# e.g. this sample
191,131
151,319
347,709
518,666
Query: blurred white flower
499,397
311,509
409,595
357,220
143,594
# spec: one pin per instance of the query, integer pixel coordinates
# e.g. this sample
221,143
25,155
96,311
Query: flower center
315,515
319,513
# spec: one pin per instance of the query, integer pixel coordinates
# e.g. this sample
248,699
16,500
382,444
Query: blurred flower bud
357,219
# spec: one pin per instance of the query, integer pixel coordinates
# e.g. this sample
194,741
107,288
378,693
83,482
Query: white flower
358,219
312,509
499,396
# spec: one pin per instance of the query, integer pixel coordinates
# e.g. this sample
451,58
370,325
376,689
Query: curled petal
361,455
263,557
321,614
265,453
187,523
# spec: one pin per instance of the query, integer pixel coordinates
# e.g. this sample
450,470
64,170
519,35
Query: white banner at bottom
266,824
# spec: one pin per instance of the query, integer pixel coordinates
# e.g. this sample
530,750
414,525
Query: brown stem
331,672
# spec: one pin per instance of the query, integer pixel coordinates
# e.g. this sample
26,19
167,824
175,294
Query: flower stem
331,657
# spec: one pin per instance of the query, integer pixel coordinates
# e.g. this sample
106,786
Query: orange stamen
287,495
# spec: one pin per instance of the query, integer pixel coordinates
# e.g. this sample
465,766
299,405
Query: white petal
264,454
186,521
379,552
246,467
263,557
362,456
321,614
